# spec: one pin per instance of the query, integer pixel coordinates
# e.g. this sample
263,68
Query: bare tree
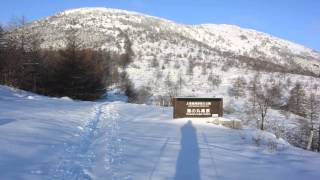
20,36
143,95
319,138
2,38
180,83
214,80
204,69
297,100
238,87
264,103
154,62
172,88
79,73
2,53
254,86
275,92
127,57
313,115
191,65
75,72
128,87
17,42
265,96
32,62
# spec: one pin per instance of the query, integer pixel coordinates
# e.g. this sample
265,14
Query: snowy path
44,138
157,147
98,151
78,157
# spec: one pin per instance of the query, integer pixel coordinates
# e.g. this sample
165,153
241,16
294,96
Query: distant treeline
73,71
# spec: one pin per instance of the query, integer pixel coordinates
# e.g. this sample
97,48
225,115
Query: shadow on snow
187,167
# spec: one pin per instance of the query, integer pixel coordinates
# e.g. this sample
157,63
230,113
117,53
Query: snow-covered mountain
95,140
165,51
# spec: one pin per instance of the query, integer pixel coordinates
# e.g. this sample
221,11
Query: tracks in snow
79,158
205,139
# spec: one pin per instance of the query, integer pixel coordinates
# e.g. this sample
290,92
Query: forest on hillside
74,71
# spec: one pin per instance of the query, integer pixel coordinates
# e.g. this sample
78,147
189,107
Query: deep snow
50,138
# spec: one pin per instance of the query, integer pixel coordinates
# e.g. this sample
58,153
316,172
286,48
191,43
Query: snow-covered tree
262,98
171,87
204,69
214,80
312,114
154,62
191,65
253,87
297,100
127,57
238,87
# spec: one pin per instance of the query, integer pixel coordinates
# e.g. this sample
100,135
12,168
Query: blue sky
295,20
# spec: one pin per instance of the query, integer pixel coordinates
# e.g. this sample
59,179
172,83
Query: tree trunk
310,140
319,139
262,122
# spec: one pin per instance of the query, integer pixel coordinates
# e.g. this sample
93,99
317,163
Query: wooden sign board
197,107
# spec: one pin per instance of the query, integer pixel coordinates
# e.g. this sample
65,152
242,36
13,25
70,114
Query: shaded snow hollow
49,138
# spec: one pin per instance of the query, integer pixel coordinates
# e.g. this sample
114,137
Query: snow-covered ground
49,138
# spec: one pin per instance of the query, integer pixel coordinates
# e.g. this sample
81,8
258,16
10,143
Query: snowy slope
223,37
222,50
103,28
47,138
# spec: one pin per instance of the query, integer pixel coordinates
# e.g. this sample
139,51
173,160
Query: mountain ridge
112,10
169,50
202,29
172,21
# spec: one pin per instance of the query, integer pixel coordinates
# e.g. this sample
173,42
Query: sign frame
192,107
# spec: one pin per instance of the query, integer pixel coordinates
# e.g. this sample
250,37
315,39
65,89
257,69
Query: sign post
197,107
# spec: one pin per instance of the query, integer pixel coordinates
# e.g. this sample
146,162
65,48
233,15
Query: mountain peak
96,10
156,37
